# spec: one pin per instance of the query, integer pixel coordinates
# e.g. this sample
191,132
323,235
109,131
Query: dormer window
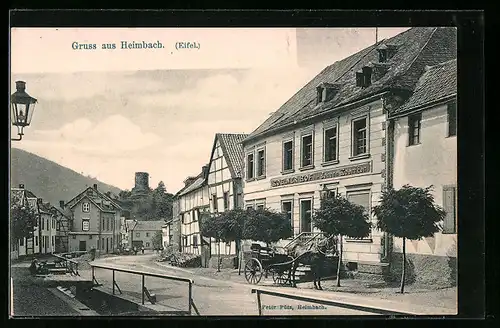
326,92
386,52
364,78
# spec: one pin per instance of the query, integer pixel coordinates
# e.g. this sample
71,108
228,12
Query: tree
408,213
23,221
156,241
210,227
338,216
266,226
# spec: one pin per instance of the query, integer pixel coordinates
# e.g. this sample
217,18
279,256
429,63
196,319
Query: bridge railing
144,291
375,310
70,265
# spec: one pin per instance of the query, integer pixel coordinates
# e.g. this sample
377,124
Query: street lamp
324,192
22,108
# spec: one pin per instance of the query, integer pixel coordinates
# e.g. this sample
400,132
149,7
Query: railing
144,291
70,265
337,304
307,236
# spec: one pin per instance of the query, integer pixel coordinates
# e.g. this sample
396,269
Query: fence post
190,298
259,303
142,290
113,282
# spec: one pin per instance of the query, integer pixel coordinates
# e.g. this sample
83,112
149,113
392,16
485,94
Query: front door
83,246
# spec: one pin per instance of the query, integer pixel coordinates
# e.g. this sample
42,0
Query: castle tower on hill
141,184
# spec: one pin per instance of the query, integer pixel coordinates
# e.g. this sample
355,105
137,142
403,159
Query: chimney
95,186
204,170
61,203
21,186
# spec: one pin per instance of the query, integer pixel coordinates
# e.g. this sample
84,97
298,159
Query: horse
314,255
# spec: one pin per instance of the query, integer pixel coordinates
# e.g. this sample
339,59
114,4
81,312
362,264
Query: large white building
424,152
332,135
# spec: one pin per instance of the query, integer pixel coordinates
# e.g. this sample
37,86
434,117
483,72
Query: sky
109,116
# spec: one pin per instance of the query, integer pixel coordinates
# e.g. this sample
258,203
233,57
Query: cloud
112,136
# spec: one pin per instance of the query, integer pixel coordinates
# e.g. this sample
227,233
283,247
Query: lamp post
324,192
22,108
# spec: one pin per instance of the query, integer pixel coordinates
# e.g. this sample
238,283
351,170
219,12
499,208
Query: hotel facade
332,135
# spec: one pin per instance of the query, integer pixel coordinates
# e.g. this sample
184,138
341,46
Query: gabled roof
416,48
232,148
149,225
93,194
198,183
438,83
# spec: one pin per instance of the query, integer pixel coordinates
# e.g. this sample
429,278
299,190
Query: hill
49,180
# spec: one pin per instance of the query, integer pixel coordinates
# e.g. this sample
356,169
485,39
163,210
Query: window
103,226
85,224
107,224
147,234
287,156
184,240
36,240
261,163
360,198
452,119
307,150
195,241
364,78
48,225
182,218
287,209
382,55
98,243
450,207
249,207
414,122
260,206
43,224
359,137
330,144
226,200
250,168
305,215
21,242
214,202
137,234
86,207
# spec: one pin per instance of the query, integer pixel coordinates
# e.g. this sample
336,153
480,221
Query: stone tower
141,183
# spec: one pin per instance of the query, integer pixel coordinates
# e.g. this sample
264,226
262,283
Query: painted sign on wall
321,175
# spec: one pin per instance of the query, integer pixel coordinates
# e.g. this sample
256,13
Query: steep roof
232,149
439,82
96,197
416,48
149,225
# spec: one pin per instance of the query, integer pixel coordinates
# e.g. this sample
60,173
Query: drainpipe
389,172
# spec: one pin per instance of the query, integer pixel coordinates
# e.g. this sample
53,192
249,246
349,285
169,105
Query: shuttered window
449,206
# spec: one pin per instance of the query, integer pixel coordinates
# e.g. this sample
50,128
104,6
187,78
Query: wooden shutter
449,207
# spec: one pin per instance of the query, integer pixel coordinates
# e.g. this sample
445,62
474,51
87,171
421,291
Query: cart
265,261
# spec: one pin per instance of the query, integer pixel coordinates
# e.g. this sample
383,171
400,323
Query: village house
96,222
140,233
25,246
193,200
166,235
225,187
48,227
331,136
423,143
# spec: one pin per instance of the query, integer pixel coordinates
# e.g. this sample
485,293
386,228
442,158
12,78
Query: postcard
233,171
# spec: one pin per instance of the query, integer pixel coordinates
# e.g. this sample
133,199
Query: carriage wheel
253,271
281,278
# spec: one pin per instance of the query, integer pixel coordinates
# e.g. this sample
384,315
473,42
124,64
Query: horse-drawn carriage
282,263
265,261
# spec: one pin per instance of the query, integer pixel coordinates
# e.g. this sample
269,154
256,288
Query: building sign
321,175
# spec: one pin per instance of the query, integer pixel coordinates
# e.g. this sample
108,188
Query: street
211,296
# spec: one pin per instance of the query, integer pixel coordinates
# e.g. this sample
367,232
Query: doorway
83,246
